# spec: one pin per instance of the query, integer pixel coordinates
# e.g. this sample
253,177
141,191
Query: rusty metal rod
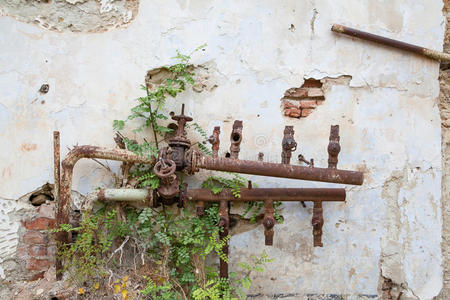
280,170
433,54
275,194
57,163
77,153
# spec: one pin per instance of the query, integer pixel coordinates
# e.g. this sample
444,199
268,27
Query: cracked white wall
388,116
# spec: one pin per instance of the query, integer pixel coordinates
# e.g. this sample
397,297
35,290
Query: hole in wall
236,137
39,197
228,155
301,102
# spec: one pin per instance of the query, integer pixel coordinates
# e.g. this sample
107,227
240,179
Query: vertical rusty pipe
224,222
200,208
236,139
57,175
214,139
333,147
268,222
288,144
56,163
317,223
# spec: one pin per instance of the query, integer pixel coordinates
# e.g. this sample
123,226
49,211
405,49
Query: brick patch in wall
301,102
37,249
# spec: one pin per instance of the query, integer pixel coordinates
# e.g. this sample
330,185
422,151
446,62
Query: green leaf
118,124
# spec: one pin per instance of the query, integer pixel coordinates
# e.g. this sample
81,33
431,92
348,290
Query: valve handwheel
164,169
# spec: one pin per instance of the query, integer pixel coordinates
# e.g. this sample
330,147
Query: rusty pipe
317,223
124,195
279,170
224,223
333,147
79,152
274,194
214,139
268,222
433,54
56,163
236,139
288,145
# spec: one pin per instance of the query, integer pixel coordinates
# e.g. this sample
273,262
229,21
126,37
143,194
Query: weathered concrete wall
385,102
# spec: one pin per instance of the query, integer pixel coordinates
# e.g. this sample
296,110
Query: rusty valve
170,184
164,168
179,143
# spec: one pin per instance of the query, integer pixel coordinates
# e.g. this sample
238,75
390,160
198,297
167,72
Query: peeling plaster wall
388,115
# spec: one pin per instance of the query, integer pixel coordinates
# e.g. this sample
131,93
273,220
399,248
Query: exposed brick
39,223
320,102
308,104
297,93
316,93
292,112
38,264
306,112
34,237
287,105
38,250
310,82
47,210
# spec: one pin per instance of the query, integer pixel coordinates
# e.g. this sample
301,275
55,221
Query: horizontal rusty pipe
77,153
274,194
279,170
433,54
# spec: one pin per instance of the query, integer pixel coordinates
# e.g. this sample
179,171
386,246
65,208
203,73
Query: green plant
234,286
85,257
217,183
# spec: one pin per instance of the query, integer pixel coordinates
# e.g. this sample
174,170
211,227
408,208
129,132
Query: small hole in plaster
236,137
228,155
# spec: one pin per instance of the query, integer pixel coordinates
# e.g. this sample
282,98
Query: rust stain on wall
28,147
